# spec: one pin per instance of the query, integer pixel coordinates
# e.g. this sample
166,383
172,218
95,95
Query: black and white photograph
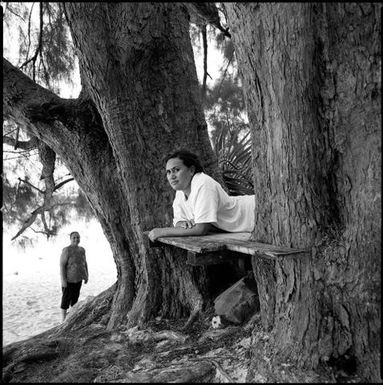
191,192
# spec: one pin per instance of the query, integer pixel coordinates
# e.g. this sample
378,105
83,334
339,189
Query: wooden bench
220,247
266,262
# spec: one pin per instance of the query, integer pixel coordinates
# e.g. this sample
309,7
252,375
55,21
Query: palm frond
234,159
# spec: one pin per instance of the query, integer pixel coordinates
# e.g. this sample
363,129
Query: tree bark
312,89
140,101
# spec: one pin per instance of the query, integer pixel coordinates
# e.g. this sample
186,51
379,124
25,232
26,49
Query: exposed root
194,315
93,311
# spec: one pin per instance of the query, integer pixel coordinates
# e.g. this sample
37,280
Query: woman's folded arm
197,229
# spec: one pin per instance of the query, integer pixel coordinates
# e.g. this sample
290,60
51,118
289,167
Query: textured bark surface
144,85
139,102
264,272
312,88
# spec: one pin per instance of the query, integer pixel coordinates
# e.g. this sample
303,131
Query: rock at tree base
238,302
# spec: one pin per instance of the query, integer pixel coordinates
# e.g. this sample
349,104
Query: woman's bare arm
197,229
63,263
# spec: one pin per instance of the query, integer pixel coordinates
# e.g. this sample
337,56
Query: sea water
31,279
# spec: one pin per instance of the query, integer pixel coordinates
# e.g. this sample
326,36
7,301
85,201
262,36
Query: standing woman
201,204
73,269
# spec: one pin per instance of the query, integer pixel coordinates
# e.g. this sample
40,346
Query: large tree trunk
311,77
140,101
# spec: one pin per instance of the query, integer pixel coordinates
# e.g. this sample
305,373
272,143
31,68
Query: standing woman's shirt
76,268
209,203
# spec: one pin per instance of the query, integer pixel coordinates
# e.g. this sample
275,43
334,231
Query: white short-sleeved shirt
209,203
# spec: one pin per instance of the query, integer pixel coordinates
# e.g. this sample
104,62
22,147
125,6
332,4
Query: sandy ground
31,280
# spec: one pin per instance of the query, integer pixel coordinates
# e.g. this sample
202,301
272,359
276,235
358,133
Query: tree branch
49,233
9,9
63,183
29,29
38,51
29,221
20,92
25,145
30,184
37,109
209,12
17,137
204,42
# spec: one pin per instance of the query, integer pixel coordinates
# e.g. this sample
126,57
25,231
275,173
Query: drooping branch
46,206
47,159
9,9
204,42
39,48
29,29
29,221
31,185
209,12
57,187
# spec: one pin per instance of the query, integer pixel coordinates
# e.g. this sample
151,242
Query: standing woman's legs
69,297
65,300
75,292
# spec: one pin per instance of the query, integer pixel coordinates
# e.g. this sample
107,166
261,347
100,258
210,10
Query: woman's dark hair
73,232
188,158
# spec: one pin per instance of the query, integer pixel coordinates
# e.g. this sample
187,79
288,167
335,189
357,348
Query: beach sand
31,280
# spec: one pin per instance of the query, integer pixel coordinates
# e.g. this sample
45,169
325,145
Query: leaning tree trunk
140,101
311,77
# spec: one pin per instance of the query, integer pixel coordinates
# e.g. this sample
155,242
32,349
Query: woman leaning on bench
201,204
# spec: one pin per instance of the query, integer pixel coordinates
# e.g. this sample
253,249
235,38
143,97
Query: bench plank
238,242
197,259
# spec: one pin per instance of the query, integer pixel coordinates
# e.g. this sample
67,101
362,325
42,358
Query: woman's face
179,176
75,239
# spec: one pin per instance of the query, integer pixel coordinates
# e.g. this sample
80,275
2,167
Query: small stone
246,342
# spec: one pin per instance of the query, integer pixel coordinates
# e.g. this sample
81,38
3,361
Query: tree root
192,318
90,312
194,315
45,352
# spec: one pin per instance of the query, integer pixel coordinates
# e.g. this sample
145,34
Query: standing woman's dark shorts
70,294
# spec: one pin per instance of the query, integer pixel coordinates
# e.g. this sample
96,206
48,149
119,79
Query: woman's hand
155,233
185,224
178,231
